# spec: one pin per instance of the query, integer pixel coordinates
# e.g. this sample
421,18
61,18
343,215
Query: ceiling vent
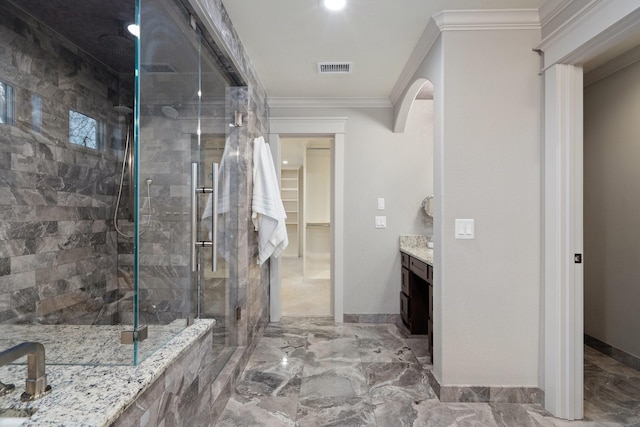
158,68
334,67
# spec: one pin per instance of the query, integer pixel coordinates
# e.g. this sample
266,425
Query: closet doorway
305,265
611,181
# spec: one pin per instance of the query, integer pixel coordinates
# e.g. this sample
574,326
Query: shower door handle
214,217
195,243
194,216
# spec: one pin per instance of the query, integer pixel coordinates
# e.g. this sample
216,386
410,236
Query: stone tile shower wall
168,147
257,303
57,248
164,262
59,255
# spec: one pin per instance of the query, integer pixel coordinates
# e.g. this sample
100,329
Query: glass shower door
180,114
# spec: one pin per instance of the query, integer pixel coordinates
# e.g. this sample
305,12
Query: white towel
268,215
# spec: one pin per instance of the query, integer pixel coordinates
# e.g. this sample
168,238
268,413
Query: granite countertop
94,395
94,345
416,246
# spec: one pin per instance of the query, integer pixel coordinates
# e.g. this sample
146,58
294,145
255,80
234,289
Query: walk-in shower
98,131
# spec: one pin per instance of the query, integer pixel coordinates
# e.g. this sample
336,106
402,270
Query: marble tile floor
309,371
306,294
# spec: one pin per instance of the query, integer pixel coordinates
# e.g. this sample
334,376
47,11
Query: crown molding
593,29
551,9
329,102
616,64
461,20
424,45
487,20
568,26
307,125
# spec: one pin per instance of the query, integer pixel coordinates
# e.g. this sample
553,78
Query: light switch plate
381,222
465,229
380,203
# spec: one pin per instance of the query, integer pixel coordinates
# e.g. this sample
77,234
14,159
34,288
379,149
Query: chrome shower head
119,44
170,112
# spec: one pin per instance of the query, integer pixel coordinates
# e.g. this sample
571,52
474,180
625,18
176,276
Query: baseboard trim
486,394
615,353
371,318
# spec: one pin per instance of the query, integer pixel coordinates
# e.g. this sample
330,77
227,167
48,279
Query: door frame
563,237
593,30
310,127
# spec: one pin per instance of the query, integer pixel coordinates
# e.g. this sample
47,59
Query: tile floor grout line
304,364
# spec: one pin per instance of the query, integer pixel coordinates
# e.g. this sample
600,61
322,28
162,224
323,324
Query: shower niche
98,131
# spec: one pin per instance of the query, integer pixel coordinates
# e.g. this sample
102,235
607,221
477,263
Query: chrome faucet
36,377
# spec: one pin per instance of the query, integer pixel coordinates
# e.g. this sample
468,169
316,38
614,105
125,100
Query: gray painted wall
379,163
612,209
487,164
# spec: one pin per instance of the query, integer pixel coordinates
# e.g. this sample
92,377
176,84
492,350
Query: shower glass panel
88,111
181,123
61,145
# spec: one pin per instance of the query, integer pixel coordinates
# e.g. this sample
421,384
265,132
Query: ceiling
83,22
377,36
286,38
98,28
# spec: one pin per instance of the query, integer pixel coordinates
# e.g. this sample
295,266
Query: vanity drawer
420,269
404,258
405,281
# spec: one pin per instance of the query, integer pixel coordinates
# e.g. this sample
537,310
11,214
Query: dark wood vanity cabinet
416,306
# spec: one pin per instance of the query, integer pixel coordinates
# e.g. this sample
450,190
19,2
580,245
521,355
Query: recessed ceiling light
285,162
334,4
